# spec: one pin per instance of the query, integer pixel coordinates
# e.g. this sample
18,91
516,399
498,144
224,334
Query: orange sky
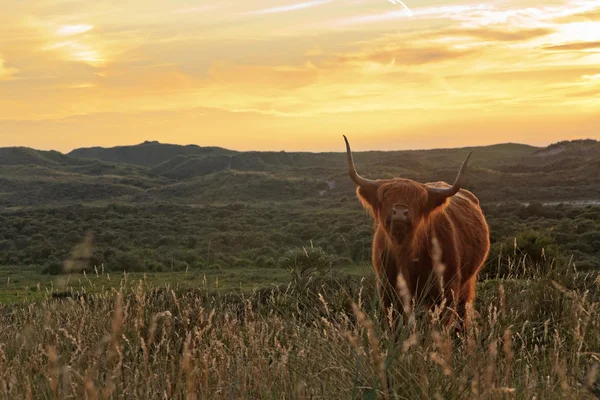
296,75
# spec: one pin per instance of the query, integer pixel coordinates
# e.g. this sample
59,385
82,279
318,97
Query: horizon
355,150
267,75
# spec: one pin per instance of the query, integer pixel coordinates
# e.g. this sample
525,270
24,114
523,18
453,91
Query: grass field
28,284
173,336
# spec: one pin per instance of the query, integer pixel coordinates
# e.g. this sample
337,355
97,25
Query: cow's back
470,231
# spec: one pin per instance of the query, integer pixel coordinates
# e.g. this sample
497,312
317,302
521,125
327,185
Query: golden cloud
500,35
573,46
435,46
6,73
405,55
589,15
585,93
263,76
71,30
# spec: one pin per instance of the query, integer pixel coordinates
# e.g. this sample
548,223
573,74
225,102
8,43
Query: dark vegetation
157,207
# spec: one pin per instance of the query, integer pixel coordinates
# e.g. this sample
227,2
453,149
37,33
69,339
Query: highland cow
410,218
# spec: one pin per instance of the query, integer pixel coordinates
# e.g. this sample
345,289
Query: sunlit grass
534,337
27,284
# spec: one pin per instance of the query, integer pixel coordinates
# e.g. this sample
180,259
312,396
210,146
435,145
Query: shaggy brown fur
403,245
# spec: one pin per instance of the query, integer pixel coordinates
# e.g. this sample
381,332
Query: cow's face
401,204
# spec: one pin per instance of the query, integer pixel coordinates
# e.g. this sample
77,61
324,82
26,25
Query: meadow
316,337
205,273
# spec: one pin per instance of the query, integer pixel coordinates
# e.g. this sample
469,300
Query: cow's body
409,216
463,237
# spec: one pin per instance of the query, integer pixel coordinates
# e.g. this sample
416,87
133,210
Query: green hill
27,156
584,148
152,171
147,154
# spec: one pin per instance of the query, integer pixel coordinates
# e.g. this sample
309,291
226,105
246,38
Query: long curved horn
359,180
451,191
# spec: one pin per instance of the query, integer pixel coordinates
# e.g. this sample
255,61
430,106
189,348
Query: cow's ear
368,197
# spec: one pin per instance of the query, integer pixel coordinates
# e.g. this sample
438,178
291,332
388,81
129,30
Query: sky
296,75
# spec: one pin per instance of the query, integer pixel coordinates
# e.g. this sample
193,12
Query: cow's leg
452,299
385,288
467,297
387,279
389,297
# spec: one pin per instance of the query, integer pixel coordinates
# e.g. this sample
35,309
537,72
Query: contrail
403,5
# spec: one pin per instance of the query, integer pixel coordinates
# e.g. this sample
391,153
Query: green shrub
53,268
537,246
215,267
128,261
306,263
265,262
526,255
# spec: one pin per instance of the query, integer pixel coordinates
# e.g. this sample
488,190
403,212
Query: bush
215,267
242,263
155,266
534,249
128,261
306,263
538,246
265,262
53,268
343,261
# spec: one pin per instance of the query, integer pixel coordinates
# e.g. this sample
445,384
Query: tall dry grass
534,338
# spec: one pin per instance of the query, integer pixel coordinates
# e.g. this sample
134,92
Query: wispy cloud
6,72
70,30
405,55
197,9
487,34
574,46
442,12
476,15
84,85
290,7
588,11
539,15
77,51
504,35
